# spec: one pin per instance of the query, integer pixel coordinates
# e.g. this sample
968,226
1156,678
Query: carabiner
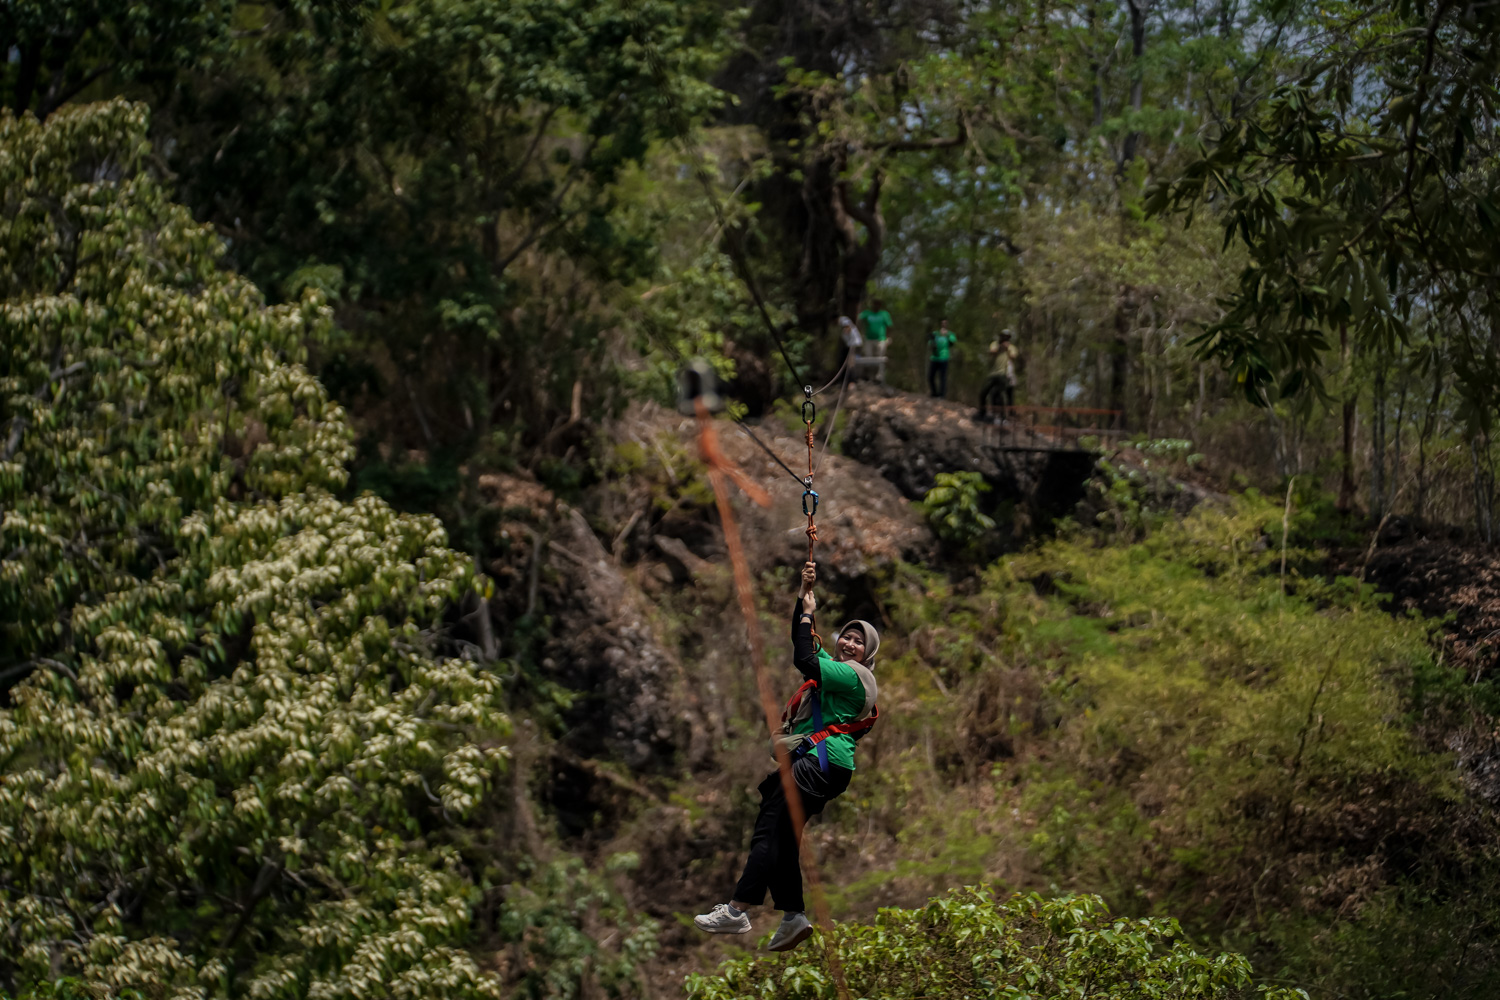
809,492
809,419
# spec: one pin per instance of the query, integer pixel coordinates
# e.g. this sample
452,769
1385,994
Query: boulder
909,439
604,647
864,522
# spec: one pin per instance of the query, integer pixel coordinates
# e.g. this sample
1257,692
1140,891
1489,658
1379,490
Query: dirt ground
1440,578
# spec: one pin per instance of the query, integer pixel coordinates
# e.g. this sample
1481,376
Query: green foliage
236,740
1155,720
1279,700
55,51
953,507
1137,496
1365,193
968,943
557,918
141,383
465,174
69,988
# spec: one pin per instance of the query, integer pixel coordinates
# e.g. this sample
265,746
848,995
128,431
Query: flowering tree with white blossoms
230,737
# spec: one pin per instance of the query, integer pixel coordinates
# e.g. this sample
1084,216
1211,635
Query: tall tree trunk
860,257
1346,466
1377,442
1484,487
1138,10
1429,420
1392,485
1227,11
1096,68
1119,356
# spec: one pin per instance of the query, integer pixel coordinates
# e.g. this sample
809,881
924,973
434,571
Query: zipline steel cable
716,470
827,434
683,129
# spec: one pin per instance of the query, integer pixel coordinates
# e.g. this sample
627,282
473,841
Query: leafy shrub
953,508
233,738
969,944
1158,722
552,925
1131,498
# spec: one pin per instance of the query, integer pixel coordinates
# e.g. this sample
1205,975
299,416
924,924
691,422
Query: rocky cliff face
605,574
910,439
608,650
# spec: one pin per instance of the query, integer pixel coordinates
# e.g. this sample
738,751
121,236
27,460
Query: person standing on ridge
1001,383
849,334
877,324
832,709
940,345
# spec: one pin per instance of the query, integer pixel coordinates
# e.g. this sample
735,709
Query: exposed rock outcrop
633,703
603,645
909,439
863,520
605,648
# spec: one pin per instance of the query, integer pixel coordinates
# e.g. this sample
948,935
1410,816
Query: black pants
773,863
999,390
937,378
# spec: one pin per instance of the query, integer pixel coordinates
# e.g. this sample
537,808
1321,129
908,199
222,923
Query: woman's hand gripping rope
805,595
809,599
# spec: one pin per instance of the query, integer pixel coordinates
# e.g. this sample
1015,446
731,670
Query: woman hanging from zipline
832,709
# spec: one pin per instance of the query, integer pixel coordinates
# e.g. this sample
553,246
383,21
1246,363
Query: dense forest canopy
359,627
461,175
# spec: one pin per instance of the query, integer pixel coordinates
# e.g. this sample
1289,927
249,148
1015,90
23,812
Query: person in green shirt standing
877,324
940,345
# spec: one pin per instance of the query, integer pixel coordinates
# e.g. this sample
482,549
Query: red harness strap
855,729
788,713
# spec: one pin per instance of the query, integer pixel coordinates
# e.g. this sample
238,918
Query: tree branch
541,228
917,145
264,880
60,96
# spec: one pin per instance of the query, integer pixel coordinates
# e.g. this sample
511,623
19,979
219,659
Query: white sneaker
723,919
795,928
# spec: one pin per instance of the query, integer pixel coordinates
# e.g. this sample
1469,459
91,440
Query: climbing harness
807,703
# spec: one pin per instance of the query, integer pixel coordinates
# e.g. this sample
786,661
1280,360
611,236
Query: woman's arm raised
804,652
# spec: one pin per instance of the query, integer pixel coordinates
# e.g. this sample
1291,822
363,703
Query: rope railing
1022,428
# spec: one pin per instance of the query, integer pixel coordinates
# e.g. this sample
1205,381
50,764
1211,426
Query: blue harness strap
817,714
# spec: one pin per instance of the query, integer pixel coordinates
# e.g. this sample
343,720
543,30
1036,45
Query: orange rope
720,468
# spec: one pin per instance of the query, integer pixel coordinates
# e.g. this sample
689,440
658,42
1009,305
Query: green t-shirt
942,343
876,323
843,698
